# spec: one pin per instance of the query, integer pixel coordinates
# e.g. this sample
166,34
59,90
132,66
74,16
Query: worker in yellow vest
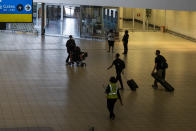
113,94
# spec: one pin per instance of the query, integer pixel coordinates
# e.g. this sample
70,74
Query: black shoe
155,87
113,117
110,117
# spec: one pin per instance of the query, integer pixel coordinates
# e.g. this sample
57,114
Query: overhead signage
16,10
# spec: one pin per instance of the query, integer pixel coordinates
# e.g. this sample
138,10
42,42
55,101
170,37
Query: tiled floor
38,90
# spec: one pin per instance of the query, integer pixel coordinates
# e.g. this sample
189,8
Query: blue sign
16,6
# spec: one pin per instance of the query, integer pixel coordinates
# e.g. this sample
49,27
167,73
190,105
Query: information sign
16,10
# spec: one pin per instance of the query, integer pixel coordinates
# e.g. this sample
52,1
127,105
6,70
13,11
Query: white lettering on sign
8,6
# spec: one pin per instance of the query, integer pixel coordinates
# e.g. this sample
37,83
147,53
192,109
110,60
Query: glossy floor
38,90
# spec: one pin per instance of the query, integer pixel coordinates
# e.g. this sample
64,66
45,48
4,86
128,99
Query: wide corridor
37,89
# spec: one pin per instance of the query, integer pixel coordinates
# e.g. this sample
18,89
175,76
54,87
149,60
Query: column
133,11
102,20
81,20
62,7
61,22
165,18
154,17
120,18
43,20
144,18
45,14
37,14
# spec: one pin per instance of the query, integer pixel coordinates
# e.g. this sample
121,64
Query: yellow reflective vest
113,91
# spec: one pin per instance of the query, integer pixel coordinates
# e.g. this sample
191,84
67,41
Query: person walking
119,65
70,47
111,40
125,42
113,94
160,67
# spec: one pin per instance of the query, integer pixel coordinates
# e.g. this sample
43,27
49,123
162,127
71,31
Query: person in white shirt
111,40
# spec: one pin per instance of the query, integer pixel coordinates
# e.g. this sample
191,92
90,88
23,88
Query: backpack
164,64
121,65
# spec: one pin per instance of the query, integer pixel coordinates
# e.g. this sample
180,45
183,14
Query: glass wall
53,20
69,11
91,21
110,19
71,21
37,16
78,21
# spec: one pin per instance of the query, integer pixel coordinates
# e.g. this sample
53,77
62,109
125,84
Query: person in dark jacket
125,41
113,94
119,65
70,47
159,67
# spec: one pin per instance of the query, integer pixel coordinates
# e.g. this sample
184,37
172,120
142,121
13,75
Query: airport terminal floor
37,89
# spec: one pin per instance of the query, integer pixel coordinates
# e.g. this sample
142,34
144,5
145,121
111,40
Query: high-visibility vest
113,92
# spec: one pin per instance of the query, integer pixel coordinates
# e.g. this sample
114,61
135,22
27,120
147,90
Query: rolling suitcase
132,84
164,83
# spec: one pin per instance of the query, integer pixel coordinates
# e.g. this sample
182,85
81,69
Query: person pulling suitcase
160,67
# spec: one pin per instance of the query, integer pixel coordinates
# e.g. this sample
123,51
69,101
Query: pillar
120,18
37,15
133,11
43,20
62,7
45,15
144,19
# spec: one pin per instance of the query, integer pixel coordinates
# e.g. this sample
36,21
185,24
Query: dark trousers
67,60
118,77
110,106
125,47
161,73
111,44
